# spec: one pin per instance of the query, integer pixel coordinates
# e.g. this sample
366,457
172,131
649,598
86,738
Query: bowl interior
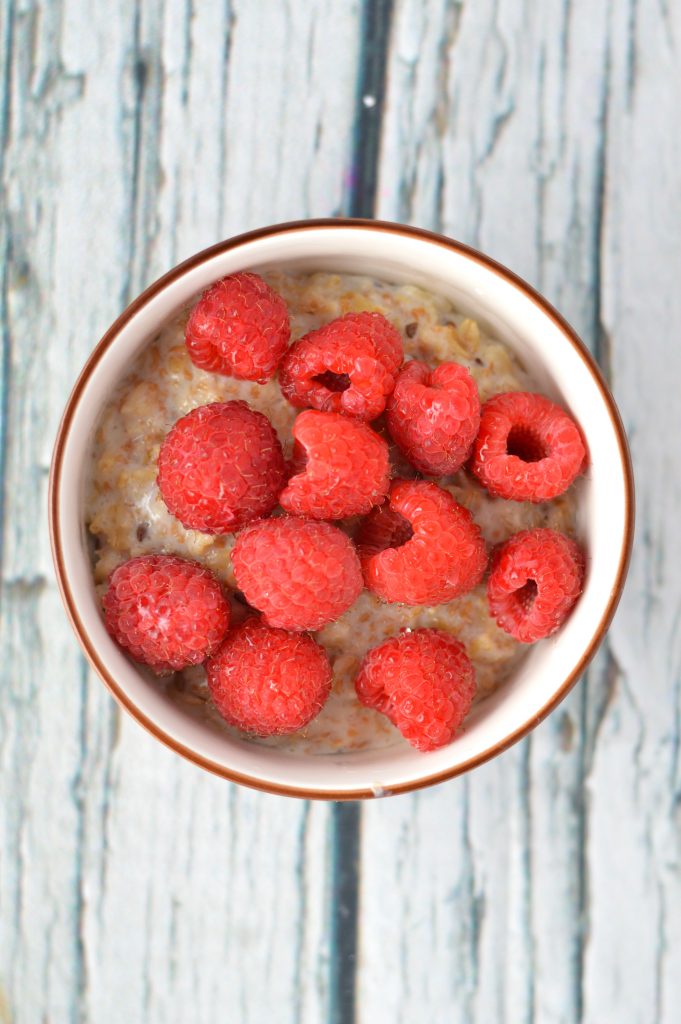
506,309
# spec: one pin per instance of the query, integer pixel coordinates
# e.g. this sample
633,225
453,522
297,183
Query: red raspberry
349,366
342,467
421,547
220,466
385,338
166,611
423,681
536,578
433,416
527,448
267,681
240,328
300,574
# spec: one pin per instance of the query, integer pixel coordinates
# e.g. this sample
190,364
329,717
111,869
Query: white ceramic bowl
509,309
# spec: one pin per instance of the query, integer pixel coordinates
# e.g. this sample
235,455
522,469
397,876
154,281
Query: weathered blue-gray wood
635,894
544,887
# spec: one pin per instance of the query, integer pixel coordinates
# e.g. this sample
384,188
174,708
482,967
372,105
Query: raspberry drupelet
168,612
239,328
536,578
421,547
423,681
527,448
221,466
267,681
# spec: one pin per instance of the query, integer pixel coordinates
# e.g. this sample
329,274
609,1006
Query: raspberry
433,417
166,611
220,466
267,681
421,547
527,449
299,573
349,366
342,467
423,681
239,328
385,338
535,580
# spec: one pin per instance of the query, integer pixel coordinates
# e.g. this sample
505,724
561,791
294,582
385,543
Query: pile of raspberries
221,469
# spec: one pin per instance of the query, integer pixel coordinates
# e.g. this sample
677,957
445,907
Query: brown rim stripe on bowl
233,243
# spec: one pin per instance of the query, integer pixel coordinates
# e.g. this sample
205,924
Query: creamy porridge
127,517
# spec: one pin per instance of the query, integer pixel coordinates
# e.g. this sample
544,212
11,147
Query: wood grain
634,854
545,886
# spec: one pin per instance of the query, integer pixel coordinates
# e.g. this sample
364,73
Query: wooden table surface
545,886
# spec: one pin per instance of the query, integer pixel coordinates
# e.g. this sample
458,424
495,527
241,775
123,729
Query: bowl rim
109,338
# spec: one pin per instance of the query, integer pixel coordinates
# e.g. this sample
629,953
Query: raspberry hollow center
526,595
526,445
401,532
392,530
298,462
385,529
335,382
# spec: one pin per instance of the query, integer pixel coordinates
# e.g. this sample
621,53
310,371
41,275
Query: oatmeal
126,516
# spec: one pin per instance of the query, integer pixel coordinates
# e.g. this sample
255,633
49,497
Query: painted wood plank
493,134
42,972
133,885
634,854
